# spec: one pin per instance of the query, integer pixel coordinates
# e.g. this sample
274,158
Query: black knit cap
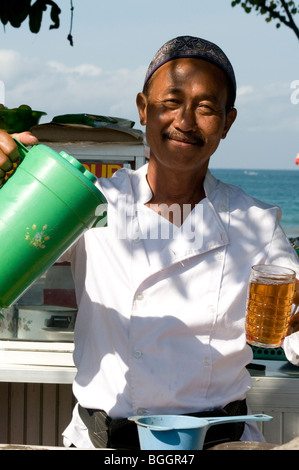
192,47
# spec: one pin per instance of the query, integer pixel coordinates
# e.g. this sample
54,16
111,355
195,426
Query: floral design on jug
5,322
37,237
24,324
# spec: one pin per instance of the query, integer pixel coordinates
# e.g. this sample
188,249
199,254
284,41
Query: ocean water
278,187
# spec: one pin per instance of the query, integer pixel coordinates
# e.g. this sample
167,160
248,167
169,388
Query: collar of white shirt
202,231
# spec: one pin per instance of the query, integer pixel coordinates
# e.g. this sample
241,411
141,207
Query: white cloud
14,66
85,70
56,88
245,90
9,64
267,108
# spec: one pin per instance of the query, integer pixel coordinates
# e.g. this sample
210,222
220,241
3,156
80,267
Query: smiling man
173,338
187,107
161,319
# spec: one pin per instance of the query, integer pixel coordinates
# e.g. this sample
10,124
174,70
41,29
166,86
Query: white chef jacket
161,312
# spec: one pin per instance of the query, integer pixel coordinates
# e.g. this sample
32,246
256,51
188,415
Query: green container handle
72,163
22,153
21,148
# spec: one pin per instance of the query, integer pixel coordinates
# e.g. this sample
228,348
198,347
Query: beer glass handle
294,320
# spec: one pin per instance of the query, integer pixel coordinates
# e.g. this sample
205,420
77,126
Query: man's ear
230,119
141,102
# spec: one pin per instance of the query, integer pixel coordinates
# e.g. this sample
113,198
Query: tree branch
291,23
275,14
262,8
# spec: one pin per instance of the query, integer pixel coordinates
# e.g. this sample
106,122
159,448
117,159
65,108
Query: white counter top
36,362
36,374
50,362
274,391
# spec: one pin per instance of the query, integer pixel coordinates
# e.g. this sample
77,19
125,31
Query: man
161,290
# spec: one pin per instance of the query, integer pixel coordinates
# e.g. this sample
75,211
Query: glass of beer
269,303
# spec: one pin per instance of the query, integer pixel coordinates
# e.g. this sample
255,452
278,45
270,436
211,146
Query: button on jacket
161,308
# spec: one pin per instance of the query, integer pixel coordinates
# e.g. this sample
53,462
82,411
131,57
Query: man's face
185,113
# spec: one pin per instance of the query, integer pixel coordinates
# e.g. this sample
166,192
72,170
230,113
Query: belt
105,432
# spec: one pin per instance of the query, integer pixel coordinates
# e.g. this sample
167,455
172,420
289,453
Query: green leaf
22,10
35,16
4,12
70,39
55,12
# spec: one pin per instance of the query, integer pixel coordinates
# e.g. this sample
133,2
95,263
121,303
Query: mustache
188,137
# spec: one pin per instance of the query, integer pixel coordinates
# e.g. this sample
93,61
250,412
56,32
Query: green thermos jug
47,203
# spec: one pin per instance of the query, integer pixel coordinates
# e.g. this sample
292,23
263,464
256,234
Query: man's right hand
9,151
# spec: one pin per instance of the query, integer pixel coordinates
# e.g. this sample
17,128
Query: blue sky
113,45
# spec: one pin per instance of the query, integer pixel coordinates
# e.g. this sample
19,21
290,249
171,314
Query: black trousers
105,432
